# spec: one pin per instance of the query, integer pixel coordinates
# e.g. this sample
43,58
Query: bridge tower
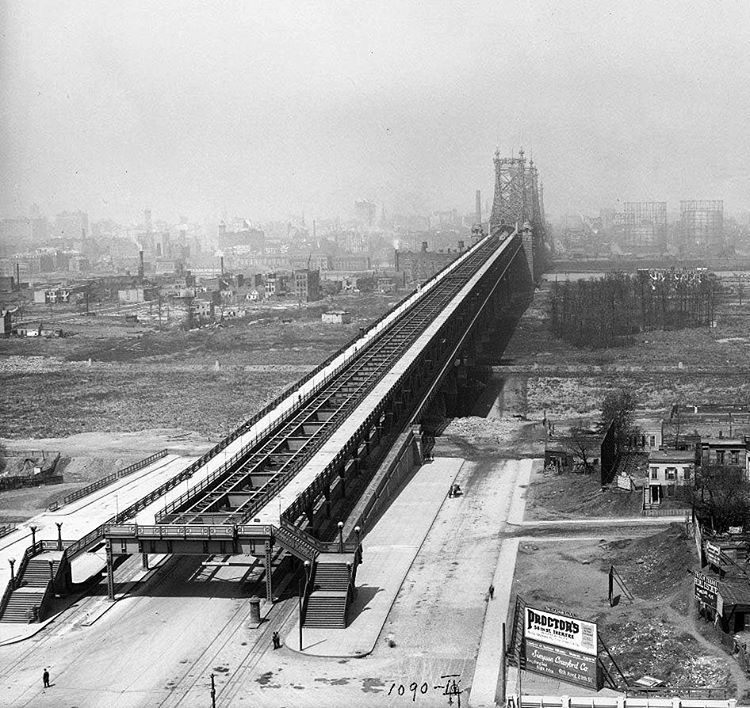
518,202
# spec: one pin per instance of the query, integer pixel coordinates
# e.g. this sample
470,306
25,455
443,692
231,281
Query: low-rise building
670,474
336,317
726,452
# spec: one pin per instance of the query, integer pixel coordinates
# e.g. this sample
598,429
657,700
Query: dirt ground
108,377
575,496
86,457
713,363
475,438
659,632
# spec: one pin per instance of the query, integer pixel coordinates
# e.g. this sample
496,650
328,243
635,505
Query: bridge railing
397,313
109,479
343,455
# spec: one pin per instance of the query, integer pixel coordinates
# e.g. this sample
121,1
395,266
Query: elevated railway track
284,468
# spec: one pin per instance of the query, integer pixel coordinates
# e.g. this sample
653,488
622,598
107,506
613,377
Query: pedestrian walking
45,678
276,640
492,592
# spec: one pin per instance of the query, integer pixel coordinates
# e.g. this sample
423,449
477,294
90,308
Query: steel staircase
28,597
331,592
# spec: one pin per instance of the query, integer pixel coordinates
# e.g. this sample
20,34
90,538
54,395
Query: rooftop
671,456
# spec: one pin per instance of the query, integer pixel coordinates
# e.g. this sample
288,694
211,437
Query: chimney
140,265
396,259
460,246
478,216
222,266
18,277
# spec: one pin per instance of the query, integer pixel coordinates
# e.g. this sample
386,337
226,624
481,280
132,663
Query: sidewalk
84,515
389,551
487,680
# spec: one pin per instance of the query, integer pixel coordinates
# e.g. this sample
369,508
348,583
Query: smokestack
222,266
478,216
18,277
460,246
140,265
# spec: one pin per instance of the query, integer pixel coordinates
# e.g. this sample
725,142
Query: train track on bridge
235,494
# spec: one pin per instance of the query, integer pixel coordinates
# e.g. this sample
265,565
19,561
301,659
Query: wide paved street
159,645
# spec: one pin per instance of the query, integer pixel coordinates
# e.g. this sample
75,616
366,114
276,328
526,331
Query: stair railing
28,554
49,593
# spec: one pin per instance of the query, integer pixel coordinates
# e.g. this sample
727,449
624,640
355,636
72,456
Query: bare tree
578,444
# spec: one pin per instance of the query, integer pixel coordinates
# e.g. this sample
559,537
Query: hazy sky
267,108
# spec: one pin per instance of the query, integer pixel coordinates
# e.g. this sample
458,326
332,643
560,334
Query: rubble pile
652,567
650,645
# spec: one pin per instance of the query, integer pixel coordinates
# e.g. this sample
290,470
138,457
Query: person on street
45,678
492,592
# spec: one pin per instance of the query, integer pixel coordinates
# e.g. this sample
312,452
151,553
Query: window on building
720,457
652,441
735,457
671,473
654,473
686,473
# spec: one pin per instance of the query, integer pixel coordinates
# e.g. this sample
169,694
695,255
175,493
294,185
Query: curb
369,651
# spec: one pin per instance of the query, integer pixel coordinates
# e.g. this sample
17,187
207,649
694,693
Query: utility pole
213,692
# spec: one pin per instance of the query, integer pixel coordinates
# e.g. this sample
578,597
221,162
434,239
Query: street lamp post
358,531
307,578
33,537
12,562
59,534
341,536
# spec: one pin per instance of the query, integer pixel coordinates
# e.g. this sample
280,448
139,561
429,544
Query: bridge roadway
274,483
268,469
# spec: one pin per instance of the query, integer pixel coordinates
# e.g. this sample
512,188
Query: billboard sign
561,631
713,554
706,589
563,664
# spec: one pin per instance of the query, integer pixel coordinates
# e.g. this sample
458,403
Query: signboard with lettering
564,664
713,554
624,481
561,631
706,588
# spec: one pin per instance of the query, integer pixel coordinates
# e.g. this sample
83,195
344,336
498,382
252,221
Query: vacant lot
661,367
108,377
658,633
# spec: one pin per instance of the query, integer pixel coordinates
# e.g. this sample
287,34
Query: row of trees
609,311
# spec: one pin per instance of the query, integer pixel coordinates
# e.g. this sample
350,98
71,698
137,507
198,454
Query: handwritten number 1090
414,688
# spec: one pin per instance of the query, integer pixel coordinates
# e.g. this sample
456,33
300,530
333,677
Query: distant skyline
269,109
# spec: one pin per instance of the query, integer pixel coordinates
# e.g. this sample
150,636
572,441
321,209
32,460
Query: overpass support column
310,514
110,573
144,561
269,570
327,494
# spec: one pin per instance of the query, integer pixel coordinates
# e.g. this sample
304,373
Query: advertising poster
561,631
563,664
706,589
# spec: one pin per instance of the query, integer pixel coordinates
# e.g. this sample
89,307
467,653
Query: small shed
336,317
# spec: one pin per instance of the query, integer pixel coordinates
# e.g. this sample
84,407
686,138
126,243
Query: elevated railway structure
269,488
277,489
